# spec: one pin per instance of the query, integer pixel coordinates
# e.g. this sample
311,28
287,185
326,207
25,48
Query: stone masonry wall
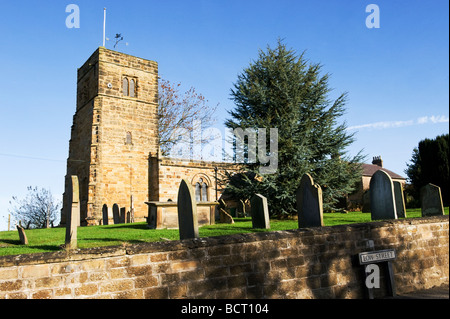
168,173
128,133
113,134
305,263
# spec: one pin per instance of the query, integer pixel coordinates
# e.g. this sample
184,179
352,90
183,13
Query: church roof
370,169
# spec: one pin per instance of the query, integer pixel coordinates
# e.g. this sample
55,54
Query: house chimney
377,161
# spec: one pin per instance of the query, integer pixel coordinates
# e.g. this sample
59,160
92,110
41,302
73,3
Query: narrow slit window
128,139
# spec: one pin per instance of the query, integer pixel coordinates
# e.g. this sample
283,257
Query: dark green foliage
430,164
282,90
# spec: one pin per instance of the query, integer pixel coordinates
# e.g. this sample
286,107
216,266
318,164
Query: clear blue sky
397,76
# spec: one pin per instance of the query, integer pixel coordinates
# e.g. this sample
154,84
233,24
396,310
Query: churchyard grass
50,240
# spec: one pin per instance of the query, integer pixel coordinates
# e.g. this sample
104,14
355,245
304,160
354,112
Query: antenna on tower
104,26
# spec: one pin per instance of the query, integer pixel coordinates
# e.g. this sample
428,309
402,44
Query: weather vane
118,36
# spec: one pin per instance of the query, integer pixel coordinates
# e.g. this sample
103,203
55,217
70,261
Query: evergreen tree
282,90
430,164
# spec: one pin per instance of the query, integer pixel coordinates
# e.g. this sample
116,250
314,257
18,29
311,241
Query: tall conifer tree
282,90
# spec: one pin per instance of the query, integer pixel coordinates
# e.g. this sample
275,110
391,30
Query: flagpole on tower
104,26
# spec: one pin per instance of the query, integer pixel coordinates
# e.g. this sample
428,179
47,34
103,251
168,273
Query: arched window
132,87
125,87
201,190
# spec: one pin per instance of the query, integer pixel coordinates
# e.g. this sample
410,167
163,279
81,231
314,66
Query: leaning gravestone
260,212
105,214
431,200
309,203
74,214
22,236
399,199
382,199
116,214
187,211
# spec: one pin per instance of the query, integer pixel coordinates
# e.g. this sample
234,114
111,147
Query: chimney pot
377,161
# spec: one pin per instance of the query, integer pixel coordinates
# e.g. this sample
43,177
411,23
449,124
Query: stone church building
114,142
114,149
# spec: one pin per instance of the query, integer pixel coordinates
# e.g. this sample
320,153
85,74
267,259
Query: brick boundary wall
305,263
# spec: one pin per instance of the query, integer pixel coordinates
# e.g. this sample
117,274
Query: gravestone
431,200
22,236
123,215
382,199
399,199
309,203
366,202
116,214
131,210
187,211
105,214
74,213
260,212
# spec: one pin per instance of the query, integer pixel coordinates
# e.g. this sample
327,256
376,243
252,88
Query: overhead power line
32,158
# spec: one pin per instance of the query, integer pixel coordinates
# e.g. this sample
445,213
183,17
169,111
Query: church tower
114,133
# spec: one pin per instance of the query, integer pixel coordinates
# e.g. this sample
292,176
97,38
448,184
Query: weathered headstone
399,199
74,214
260,212
309,203
431,200
382,199
187,211
105,214
123,215
22,236
131,210
116,214
366,202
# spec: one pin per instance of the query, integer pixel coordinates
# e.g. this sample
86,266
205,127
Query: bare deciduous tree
37,210
180,113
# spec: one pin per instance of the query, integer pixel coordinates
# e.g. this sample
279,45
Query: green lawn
47,240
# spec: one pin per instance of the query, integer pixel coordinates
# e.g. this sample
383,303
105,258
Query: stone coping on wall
154,247
192,163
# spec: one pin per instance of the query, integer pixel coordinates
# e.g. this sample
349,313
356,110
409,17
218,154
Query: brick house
359,200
